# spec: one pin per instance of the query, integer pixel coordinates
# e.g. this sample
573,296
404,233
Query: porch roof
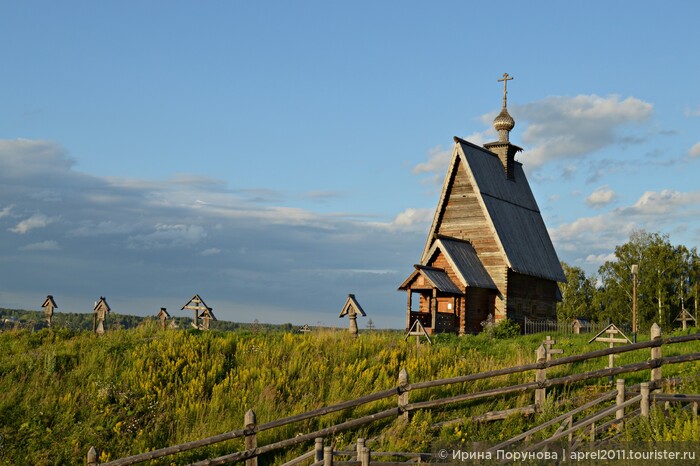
466,263
436,278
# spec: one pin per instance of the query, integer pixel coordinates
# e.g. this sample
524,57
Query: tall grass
135,390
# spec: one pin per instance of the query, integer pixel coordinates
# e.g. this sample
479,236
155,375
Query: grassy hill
135,390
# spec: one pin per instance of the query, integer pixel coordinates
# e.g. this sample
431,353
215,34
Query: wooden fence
568,327
404,406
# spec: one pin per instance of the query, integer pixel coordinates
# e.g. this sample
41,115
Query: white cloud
569,171
662,203
88,228
5,212
653,211
410,219
23,157
600,259
695,150
31,223
48,245
480,138
210,252
438,158
692,112
601,197
169,236
571,127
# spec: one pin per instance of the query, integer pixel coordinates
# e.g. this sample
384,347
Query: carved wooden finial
92,456
249,418
655,331
541,353
403,377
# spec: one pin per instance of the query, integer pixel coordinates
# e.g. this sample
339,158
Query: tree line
667,284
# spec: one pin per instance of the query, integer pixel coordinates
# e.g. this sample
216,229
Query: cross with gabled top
506,77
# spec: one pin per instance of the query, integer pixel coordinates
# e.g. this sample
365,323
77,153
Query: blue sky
275,156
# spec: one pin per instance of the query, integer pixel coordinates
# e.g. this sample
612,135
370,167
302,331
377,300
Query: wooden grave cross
549,351
163,316
611,331
305,329
49,305
100,314
352,309
417,330
201,311
685,317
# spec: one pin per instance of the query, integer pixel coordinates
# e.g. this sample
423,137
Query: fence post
403,394
328,456
365,460
644,404
656,352
92,456
540,376
318,448
360,446
251,438
620,413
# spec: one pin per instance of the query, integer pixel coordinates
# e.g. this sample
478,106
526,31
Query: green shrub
505,328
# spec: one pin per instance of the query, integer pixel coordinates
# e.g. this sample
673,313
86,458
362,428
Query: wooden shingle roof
510,208
102,306
351,307
50,303
437,278
464,261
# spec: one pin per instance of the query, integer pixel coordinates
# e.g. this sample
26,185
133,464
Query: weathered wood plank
563,417
242,455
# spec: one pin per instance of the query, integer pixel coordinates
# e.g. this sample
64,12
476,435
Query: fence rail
568,327
404,407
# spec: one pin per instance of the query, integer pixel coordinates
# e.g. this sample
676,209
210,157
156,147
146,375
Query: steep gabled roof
49,302
437,278
510,209
196,304
351,307
102,305
463,259
207,314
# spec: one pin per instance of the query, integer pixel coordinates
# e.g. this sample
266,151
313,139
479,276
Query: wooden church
488,252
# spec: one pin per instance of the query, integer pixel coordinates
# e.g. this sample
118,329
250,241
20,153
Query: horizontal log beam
601,415
554,362
242,455
490,416
563,417
242,432
436,383
675,397
470,396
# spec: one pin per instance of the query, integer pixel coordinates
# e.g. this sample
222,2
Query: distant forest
35,320
668,282
668,278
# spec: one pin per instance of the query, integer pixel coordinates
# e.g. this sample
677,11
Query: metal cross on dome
506,77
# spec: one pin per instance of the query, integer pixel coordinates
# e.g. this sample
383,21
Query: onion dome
504,123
